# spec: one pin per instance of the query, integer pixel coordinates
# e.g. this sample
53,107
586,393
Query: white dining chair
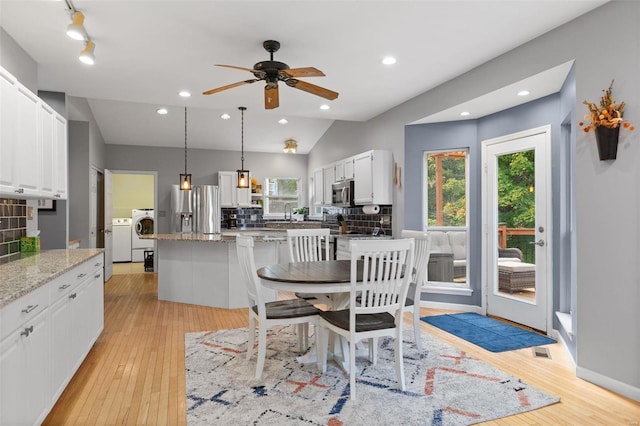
419,279
281,312
308,245
376,302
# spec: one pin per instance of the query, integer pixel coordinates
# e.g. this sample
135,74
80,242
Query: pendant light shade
243,175
185,178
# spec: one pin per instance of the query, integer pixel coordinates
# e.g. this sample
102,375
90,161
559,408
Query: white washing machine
122,239
142,223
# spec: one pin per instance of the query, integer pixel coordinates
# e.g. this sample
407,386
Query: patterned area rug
445,386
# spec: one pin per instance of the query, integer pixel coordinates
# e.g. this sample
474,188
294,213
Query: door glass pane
516,224
445,208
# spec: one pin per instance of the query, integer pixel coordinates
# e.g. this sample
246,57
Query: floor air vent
540,352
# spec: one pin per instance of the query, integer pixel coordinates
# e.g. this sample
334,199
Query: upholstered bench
516,275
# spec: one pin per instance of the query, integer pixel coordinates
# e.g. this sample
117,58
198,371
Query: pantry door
517,213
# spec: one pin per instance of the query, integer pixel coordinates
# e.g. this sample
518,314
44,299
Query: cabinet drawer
71,279
16,313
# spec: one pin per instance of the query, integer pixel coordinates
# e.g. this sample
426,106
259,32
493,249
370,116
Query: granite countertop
33,270
227,236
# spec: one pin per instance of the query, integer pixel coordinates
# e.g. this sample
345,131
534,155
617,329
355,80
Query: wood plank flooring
135,372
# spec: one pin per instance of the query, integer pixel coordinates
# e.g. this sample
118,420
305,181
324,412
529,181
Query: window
280,192
445,215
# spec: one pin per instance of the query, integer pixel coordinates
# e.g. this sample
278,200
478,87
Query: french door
517,227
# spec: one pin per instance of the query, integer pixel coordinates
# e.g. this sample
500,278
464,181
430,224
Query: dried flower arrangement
607,114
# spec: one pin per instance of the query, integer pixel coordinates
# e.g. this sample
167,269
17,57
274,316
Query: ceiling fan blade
237,68
312,88
229,86
271,97
304,72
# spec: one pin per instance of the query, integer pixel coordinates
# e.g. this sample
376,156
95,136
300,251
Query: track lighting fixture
290,146
75,29
243,175
86,55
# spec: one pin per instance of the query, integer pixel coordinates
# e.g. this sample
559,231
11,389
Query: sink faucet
290,212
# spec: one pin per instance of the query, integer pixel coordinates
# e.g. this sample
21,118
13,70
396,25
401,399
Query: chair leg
416,326
398,359
373,350
262,350
352,370
322,341
301,338
252,336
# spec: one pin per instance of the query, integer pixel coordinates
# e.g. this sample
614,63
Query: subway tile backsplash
13,226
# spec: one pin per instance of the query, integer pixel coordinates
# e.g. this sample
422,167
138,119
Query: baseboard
613,385
450,306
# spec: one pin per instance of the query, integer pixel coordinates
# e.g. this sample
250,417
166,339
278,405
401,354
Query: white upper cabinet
8,119
373,177
60,163
27,147
230,194
33,144
344,169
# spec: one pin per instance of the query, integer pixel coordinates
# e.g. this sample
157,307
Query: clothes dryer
143,223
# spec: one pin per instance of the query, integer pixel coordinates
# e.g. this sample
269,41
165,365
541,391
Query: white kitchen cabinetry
45,336
344,169
373,177
33,144
27,147
230,194
8,119
318,188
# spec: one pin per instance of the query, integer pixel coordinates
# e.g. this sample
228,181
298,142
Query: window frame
268,215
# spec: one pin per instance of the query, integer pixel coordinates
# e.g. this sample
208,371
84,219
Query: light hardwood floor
135,372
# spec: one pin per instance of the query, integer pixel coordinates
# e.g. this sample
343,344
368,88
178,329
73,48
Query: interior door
517,213
108,225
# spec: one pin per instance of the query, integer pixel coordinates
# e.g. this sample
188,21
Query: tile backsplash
13,226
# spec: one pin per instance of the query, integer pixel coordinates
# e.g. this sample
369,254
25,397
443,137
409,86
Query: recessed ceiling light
184,94
524,93
225,116
162,111
325,106
389,60
283,121
465,113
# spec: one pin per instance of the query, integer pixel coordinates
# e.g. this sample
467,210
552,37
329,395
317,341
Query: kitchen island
203,269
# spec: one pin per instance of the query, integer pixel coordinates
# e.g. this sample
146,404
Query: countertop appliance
142,223
195,211
342,193
122,239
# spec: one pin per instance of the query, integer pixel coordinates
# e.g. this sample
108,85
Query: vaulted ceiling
148,51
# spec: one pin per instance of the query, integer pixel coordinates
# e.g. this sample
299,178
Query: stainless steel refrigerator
195,211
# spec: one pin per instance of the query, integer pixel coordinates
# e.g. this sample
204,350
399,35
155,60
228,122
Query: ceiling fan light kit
271,72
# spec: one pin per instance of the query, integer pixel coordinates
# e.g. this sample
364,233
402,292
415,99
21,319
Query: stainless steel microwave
342,193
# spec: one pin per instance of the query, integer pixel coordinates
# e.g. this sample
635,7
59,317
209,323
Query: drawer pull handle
73,295
96,276
26,331
29,308
19,190
82,275
57,195
97,264
64,287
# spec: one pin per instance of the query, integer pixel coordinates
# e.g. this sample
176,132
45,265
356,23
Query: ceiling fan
273,71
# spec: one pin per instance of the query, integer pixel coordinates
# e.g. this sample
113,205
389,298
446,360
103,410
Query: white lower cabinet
41,354
25,395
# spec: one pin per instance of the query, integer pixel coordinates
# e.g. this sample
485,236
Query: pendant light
185,178
243,175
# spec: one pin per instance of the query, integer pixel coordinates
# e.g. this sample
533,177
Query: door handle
540,242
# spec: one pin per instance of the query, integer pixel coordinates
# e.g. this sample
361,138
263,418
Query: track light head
86,55
75,29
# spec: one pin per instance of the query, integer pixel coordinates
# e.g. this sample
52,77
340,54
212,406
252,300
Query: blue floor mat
490,334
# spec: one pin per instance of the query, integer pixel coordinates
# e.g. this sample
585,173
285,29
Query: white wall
607,198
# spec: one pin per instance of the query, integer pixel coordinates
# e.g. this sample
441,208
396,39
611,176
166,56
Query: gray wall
203,165
79,182
15,60
607,200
